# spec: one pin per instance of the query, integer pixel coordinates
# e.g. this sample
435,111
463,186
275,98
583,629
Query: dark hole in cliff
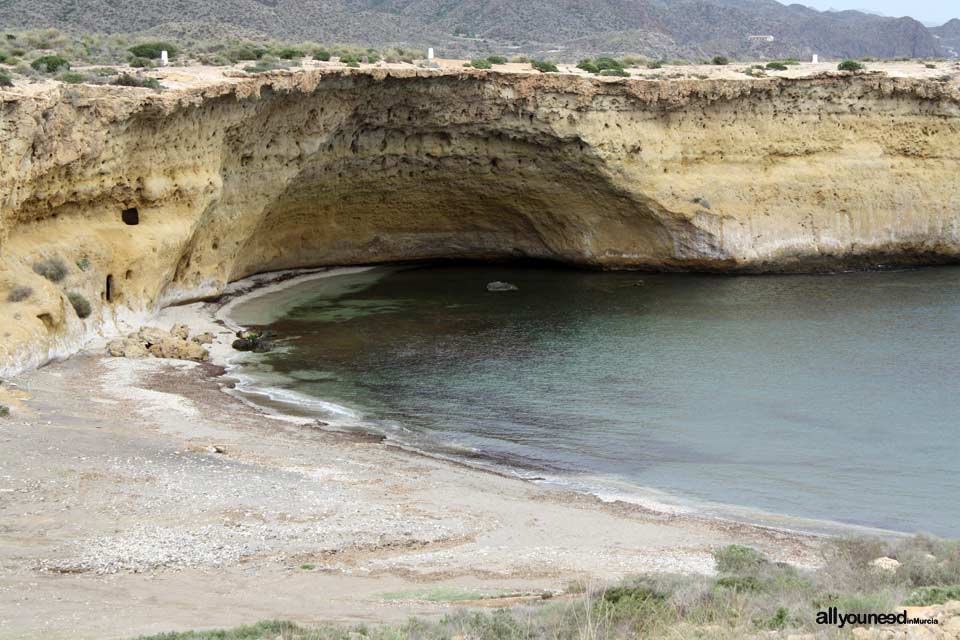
47,320
109,291
131,216
128,275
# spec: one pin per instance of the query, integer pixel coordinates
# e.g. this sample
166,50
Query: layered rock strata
149,199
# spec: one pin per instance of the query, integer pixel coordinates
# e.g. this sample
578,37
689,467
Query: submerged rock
253,341
501,286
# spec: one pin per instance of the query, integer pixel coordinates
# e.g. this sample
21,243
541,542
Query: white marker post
164,58
430,53
816,59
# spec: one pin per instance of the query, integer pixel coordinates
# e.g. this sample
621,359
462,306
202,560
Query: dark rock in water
243,344
501,286
254,341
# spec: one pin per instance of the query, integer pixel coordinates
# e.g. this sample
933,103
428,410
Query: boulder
177,348
151,335
127,348
181,331
501,286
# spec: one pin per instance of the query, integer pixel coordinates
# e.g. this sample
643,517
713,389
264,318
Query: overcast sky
936,11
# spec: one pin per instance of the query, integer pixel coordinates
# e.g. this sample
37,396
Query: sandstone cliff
318,168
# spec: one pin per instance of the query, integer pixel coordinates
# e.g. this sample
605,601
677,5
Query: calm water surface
820,397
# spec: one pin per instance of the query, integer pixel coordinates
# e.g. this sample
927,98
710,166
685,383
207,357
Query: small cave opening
108,292
131,216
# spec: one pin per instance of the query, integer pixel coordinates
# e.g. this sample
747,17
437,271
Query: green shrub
53,269
18,52
71,77
350,59
5,79
480,64
242,53
655,64
130,80
926,596
322,55
588,66
289,53
142,63
152,50
622,73
3,57
930,65
850,65
80,304
777,66
740,584
497,60
50,64
778,620
720,60
738,559
19,294
607,63
544,66
520,59
4,411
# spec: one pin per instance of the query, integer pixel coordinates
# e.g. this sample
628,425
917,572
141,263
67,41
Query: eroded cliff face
303,169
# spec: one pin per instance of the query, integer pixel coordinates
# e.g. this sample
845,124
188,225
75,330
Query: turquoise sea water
772,398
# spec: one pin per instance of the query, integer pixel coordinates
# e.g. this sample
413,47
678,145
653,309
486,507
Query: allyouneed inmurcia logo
834,617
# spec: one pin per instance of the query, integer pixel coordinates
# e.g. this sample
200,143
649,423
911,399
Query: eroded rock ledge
153,198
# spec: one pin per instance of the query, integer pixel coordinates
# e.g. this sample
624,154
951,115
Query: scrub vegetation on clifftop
750,597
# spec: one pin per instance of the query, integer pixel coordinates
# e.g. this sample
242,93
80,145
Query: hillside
563,29
949,36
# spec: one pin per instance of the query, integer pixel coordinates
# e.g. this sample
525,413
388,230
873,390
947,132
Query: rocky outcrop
175,344
150,198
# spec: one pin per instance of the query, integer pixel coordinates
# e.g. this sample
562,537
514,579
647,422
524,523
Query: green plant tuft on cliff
720,60
289,53
850,65
322,55
80,304
130,80
19,293
776,66
72,77
497,59
53,269
588,65
244,52
5,79
4,411
50,64
481,64
152,50
544,66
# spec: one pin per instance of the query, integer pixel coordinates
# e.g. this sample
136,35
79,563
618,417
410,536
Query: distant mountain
563,29
949,36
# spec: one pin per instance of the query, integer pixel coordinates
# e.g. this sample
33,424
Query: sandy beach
136,496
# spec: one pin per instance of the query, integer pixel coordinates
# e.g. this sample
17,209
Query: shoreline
651,499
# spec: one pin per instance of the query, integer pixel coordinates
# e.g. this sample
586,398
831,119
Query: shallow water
822,397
